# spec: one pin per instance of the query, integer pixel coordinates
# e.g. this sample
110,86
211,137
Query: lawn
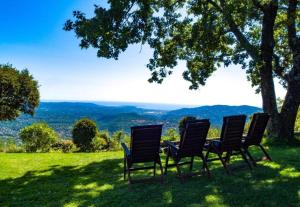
96,179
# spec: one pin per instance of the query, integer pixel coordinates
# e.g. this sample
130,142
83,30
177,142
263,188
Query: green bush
214,132
10,144
116,139
38,137
64,146
83,133
2,144
103,141
297,124
100,142
171,135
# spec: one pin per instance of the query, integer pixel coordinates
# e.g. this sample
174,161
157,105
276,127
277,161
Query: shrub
171,135
2,145
116,139
83,133
64,146
297,124
10,144
214,132
38,137
183,122
100,142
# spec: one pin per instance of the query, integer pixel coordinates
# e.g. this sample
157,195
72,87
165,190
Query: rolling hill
62,115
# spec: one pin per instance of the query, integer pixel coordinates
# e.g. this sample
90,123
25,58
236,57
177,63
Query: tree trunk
266,68
288,115
292,100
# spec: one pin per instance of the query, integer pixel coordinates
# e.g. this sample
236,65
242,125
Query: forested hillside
62,115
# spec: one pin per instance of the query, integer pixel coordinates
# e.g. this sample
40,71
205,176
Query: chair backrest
192,121
145,143
232,132
257,127
193,139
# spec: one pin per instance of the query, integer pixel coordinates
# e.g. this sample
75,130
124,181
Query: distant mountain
215,113
62,116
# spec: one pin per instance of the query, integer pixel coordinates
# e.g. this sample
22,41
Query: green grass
96,179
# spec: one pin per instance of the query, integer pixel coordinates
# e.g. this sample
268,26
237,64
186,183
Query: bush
103,141
171,135
214,132
10,145
100,142
2,145
83,133
116,139
64,146
297,124
38,137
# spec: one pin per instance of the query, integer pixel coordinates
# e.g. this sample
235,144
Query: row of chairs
146,146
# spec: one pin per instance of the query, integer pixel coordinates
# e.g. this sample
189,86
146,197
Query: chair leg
250,156
161,170
205,166
167,161
125,167
245,158
265,152
191,165
179,171
223,163
129,177
228,155
207,154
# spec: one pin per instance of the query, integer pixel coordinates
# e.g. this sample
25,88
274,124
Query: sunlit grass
96,179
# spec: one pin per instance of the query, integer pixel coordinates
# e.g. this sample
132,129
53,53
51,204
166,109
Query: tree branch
215,5
258,5
292,34
252,50
278,69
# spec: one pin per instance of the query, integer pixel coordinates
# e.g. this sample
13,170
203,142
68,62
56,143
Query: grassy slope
95,179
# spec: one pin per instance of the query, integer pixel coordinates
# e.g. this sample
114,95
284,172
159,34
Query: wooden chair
191,144
144,148
255,134
230,141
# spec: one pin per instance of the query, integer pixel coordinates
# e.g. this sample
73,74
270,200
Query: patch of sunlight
214,200
93,186
168,197
265,184
290,172
72,204
272,165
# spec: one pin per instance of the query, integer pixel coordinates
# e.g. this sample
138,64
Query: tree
18,93
260,35
38,136
83,133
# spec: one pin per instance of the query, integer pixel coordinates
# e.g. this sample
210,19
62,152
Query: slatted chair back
232,132
145,143
193,139
257,127
190,122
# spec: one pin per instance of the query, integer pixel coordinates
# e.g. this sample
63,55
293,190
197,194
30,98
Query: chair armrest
171,144
212,138
209,140
125,148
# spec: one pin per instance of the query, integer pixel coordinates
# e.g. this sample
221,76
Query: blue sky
31,36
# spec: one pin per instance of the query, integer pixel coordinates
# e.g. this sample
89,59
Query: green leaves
18,93
204,34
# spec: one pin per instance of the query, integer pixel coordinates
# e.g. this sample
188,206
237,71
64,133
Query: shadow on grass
101,184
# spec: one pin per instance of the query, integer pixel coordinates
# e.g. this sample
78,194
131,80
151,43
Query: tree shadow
101,184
